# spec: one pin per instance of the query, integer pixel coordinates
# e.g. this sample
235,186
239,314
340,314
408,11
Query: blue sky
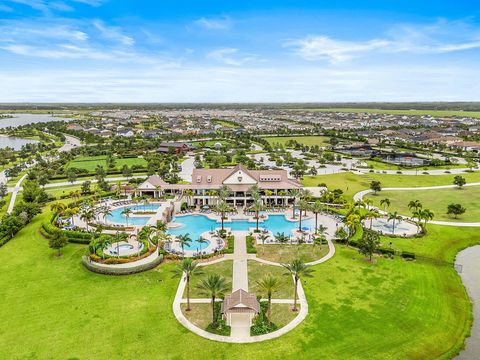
239,51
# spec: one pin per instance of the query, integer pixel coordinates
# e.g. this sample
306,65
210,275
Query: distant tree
11,224
3,190
455,210
369,243
126,171
341,234
30,209
72,175
85,189
376,186
459,181
57,241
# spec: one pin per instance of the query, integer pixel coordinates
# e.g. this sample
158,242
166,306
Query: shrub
251,245
408,255
230,240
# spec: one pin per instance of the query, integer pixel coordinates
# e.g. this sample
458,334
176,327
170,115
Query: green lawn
257,270
473,114
3,209
91,162
379,165
351,183
53,308
286,253
305,140
435,200
224,268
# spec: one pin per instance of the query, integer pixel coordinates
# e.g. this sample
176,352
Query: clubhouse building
274,186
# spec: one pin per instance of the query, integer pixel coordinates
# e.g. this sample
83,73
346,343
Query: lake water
24,119
14,142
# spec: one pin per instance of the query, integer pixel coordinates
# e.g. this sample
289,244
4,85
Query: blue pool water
195,225
117,217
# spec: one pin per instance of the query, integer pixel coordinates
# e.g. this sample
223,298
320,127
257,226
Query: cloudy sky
239,51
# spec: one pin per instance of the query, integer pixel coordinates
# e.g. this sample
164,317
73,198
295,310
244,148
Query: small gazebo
240,302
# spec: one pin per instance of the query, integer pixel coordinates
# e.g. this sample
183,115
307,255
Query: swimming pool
195,225
117,217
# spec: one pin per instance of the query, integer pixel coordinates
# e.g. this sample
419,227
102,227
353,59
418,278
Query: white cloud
222,23
440,37
113,33
324,47
229,56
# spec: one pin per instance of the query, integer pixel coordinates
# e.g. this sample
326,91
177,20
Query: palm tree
257,206
189,194
269,284
224,192
58,208
158,189
283,194
306,195
127,212
316,208
184,239
302,205
75,194
352,221
87,215
105,211
214,286
255,193
188,268
263,237
385,203
281,237
394,217
294,194
414,206
223,207
297,268
427,215
370,215
200,241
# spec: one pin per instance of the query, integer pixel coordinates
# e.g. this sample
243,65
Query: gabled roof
240,301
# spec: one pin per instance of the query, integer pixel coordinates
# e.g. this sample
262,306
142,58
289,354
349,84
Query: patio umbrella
305,228
205,207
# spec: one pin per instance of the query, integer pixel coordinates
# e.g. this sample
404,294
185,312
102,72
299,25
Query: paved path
187,168
360,195
468,261
15,191
241,332
71,142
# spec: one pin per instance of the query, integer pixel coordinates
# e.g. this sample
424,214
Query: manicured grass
4,208
199,314
53,308
473,114
352,183
223,268
379,165
64,190
257,270
282,314
286,253
211,143
91,162
435,200
305,140
441,242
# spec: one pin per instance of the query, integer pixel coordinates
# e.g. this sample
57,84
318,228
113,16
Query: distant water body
19,120
24,119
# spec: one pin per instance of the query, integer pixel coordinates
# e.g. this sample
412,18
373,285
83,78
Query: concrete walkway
15,191
361,194
240,331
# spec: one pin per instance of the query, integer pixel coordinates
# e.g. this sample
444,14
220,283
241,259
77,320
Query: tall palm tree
257,206
105,211
75,194
297,268
87,215
352,221
294,194
269,284
385,203
263,237
58,207
158,189
188,268
223,207
316,208
302,205
214,286
306,195
394,216
189,194
414,206
223,192
201,241
127,212
184,239
427,215
370,215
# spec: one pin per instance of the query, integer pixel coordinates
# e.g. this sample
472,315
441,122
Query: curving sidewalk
302,314
15,193
361,194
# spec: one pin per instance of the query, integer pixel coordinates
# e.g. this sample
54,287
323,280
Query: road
71,142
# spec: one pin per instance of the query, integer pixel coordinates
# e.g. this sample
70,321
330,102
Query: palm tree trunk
188,293
294,215
213,311
257,215
222,220
295,295
269,308
316,223
300,222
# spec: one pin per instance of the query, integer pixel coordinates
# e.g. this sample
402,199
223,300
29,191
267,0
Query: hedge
120,271
250,245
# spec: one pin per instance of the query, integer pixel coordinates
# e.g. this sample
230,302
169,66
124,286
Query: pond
14,142
24,119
